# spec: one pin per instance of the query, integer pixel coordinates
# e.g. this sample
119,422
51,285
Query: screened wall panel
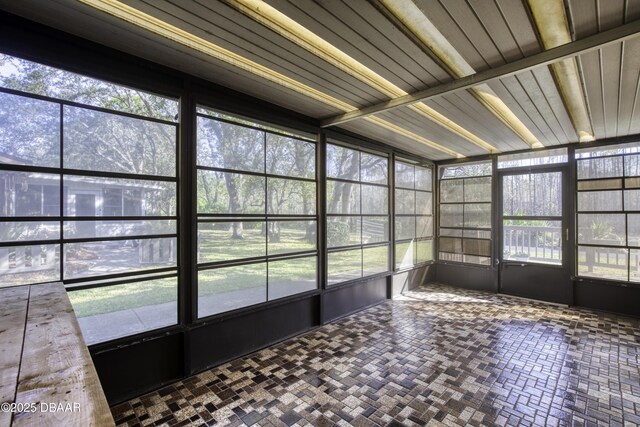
88,196
465,230
357,214
257,213
608,211
413,214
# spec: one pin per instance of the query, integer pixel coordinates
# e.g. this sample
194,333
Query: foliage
338,233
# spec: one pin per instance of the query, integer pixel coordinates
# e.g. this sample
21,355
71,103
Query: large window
608,212
357,214
465,213
413,214
88,196
257,219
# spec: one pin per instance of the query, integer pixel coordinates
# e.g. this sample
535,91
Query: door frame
533,271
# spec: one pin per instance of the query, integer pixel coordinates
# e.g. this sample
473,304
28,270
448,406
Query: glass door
533,256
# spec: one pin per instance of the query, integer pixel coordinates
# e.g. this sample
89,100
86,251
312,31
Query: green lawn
108,299
217,245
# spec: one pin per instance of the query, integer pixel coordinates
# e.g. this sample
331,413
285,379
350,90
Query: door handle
566,234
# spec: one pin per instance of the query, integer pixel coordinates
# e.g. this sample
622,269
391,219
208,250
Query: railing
532,243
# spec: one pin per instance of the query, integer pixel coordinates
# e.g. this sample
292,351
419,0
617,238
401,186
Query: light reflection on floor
438,355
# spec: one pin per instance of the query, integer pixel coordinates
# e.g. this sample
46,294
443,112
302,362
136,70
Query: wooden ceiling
485,33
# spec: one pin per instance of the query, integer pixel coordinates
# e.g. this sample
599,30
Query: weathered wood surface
55,369
13,317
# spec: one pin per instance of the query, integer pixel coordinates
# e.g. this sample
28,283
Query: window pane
291,236
477,234
99,141
22,265
405,254
466,170
533,241
405,175
127,309
600,168
424,203
375,260
603,263
601,184
111,257
633,229
225,241
230,193
450,244
375,229
29,131
374,169
537,194
29,230
450,232
87,229
374,200
91,196
600,201
424,226
405,227
634,262
631,183
477,215
607,150
230,288
405,202
343,163
477,189
602,229
229,146
290,157
632,200
632,165
424,178
29,194
343,198
424,251
476,247
474,259
538,157
343,231
344,265
289,197
447,256
451,215
451,191
85,90
292,276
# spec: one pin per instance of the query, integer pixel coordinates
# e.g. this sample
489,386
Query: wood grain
56,365
13,316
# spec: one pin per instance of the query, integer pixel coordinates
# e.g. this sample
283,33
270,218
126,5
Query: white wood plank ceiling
325,58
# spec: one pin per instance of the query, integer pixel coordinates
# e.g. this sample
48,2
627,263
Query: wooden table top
45,367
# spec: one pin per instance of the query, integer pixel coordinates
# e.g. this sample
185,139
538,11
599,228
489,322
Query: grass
110,299
217,245
90,302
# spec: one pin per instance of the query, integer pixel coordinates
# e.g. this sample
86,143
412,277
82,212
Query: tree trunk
235,206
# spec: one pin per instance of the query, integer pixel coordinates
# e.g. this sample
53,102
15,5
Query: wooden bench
45,365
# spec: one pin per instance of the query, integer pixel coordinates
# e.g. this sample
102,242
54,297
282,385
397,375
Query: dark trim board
128,372
466,276
215,343
345,300
616,298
